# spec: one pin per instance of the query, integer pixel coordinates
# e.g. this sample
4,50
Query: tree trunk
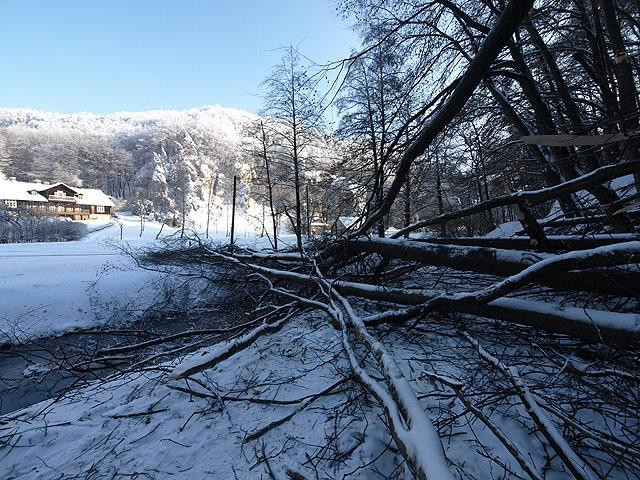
407,204
269,186
184,214
233,211
443,226
627,92
209,206
496,262
308,211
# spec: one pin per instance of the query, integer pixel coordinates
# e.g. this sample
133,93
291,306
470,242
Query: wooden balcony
67,199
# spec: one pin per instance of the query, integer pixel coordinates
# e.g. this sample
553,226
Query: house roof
349,222
58,184
93,196
12,190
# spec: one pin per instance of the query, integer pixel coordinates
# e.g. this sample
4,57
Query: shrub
21,226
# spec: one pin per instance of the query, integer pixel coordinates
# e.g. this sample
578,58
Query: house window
11,203
100,209
59,193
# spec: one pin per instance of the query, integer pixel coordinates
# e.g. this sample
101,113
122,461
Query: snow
507,229
52,288
350,222
623,186
12,190
35,369
93,196
622,322
575,463
140,423
204,360
221,119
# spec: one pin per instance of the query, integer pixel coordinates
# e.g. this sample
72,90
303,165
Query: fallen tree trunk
591,220
627,252
556,242
503,262
588,324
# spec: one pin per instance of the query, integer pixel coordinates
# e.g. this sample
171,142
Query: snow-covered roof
12,190
74,189
349,222
93,196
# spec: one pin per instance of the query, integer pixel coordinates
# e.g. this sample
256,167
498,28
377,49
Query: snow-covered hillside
214,120
166,163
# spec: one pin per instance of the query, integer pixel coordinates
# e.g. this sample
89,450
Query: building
345,223
58,199
319,228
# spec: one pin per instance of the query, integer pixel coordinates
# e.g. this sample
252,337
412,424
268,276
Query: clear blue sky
129,55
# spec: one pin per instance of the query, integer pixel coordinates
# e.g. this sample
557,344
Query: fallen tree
556,242
502,262
589,324
411,428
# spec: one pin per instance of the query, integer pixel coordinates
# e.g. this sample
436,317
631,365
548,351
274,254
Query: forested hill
115,151
166,160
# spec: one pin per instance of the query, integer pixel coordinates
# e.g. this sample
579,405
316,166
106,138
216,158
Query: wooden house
58,199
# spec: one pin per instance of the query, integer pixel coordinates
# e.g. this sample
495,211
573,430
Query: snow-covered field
51,288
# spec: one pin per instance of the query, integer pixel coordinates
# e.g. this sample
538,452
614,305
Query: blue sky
128,55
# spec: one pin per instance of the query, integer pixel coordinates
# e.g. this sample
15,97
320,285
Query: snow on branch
575,464
197,363
411,427
618,254
525,463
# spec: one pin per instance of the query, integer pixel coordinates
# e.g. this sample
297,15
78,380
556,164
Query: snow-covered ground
142,425
51,288
103,431
260,402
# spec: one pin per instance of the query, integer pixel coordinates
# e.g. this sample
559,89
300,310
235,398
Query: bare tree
290,98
